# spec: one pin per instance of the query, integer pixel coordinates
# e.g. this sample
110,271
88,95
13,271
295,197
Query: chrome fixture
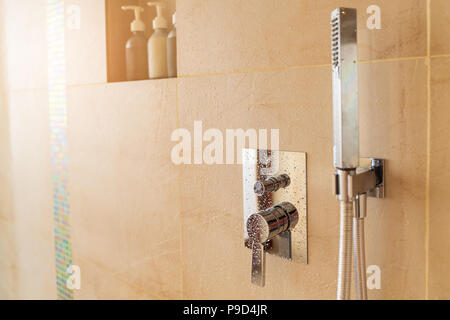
345,88
274,207
354,183
263,227
272,184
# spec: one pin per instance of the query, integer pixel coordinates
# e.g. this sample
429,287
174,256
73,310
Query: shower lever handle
258,264
265,226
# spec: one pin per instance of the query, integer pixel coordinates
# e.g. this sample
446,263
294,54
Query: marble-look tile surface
124,206
298,102
439,251
440,27
225,36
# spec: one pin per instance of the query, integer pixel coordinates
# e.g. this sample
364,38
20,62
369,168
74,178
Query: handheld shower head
345,88
352,185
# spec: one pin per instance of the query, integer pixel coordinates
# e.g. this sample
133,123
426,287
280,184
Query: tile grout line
437,56
202,75
296,67
180,226
234,72
428,168
393,59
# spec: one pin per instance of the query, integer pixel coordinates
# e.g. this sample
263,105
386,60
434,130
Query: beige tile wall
297,102
119,143
254,34
143,228
25,41
439,214
439,153
8,263
27,212
86,45
440,27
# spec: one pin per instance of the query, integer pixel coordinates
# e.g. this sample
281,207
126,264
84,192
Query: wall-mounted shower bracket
378,166
368,179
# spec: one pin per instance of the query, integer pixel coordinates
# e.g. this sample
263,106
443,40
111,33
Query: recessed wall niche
118,31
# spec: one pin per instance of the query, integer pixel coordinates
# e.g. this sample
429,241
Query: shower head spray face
345,88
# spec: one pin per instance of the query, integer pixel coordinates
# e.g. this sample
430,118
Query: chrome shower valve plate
289,169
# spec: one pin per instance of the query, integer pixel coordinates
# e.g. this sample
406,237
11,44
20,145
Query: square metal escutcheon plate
258,165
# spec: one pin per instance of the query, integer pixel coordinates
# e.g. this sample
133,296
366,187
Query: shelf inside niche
118,32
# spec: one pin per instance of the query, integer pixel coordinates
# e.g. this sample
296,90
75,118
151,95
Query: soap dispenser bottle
172,49
157,44
136,53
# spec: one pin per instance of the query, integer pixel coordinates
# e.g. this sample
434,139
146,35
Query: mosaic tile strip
58,143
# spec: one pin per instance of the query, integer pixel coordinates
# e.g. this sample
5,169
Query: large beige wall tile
123,186
5,160
393,101
5,150
86,44
393,126
27,265
100,284
31,201
224,36
36,269
30,164
8,263
25,43
439,260
440,27
3,73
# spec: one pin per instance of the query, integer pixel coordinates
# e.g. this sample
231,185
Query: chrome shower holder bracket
368,178
378,165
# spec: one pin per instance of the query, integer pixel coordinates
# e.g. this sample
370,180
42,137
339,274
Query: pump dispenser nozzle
137,24
159,22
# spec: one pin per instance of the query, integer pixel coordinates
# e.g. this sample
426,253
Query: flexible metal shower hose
359,255
345,251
